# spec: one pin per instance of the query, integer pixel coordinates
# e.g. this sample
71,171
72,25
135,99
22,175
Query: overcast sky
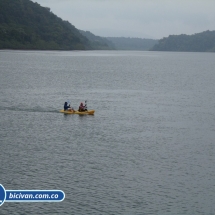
136,18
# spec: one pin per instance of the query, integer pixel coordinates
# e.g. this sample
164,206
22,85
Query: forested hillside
27,25
201,42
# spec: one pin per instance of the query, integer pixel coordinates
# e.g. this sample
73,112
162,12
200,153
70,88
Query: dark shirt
66,106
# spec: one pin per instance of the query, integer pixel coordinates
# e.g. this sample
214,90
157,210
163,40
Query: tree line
200,42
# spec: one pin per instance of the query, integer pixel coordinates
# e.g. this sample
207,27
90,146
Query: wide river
149,148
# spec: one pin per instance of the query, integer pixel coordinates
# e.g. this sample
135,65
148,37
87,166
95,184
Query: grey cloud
138,18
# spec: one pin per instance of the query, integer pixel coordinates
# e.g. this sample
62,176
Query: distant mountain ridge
127,43
200,42
119,43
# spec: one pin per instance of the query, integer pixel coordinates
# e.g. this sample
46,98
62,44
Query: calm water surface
149,148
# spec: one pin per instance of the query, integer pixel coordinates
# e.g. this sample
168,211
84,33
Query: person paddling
67,107
81,107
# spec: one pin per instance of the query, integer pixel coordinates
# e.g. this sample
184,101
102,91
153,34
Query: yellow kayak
89,112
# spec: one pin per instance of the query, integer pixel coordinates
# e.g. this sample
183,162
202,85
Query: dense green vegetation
27,25
123,43
201,42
